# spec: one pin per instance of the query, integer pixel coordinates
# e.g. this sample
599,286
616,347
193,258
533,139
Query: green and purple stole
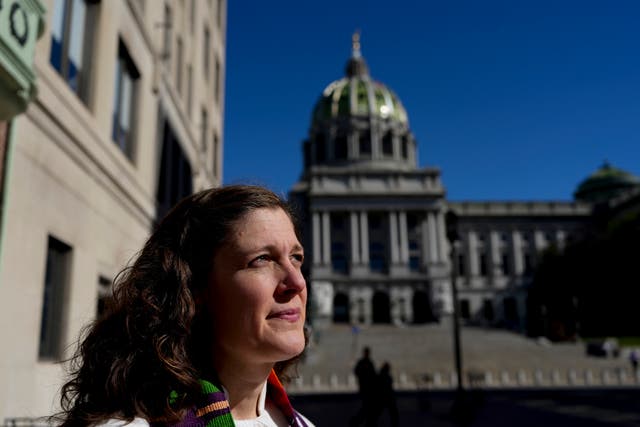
213,409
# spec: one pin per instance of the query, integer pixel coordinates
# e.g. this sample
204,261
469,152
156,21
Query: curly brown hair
151,342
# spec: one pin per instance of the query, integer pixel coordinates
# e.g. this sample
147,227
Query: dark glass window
465,309
124,101
175,180
483,264
506,270
338,257
405,148
487,310
377,257
528,264
375,221
54,299
414,263
71,44
364,141
461,265
387,144
340,148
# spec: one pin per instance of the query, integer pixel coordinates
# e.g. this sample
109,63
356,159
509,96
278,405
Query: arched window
381,308
364,143
340,148
422,312
341,308
387,144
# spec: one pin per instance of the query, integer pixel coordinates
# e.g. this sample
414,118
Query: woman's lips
290,315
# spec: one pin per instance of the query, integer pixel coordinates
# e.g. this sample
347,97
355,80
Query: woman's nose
293,281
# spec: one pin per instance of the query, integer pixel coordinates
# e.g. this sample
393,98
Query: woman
203,323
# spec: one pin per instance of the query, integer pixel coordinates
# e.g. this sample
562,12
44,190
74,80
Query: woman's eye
259,260
298,258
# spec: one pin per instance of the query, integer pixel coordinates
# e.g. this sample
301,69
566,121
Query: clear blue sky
510,99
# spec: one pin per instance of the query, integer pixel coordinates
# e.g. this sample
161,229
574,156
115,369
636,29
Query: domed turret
359,120
604,184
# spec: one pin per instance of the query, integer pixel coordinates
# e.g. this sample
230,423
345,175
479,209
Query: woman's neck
243,386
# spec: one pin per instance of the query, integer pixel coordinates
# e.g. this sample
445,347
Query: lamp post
452,235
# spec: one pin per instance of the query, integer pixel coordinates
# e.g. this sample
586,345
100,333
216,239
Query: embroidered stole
213,409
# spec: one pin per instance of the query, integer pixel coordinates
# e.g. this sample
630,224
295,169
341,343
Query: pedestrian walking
367,378
386,395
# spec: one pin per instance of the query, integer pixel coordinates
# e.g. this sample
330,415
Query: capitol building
374,221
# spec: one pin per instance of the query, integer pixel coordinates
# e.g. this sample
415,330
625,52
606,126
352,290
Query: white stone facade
81,196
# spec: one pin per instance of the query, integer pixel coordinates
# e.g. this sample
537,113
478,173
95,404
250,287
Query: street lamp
451,220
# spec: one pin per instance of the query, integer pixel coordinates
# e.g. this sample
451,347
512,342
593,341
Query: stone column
442,238
472,254
355,246
494,249
404,238
426,240
393,238
317,238
364,238
433,237
516,247
326,238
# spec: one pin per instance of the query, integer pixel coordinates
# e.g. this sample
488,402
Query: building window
123,104
528,264
216,147
365,144
387,144
505,264
204,129
189,89
175,181
339,257
54,300
377,258
341,149
206,52
487,310
217,82
465,309
71,44
105,296
179,65
166,25
483,264
414,263
461,265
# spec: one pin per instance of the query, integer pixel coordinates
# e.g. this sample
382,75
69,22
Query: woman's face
257,294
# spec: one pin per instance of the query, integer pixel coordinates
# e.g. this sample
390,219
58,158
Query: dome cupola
359,120
605,183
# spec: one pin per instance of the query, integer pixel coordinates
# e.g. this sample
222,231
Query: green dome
357,94
605,184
